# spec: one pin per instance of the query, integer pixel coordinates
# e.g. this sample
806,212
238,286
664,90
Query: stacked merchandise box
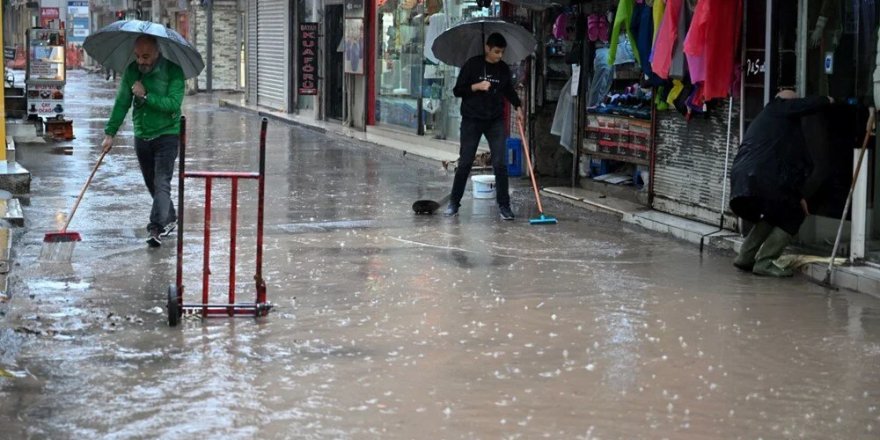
618,136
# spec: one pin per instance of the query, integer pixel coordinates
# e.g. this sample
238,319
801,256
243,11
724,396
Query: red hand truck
176,306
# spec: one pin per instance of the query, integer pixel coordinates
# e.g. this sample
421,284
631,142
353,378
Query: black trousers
471,132
156,158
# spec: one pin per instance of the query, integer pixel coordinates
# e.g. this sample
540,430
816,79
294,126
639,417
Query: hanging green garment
623,17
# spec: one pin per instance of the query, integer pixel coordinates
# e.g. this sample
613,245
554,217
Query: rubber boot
765,260
746,258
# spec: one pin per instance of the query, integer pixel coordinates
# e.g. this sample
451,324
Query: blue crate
514,157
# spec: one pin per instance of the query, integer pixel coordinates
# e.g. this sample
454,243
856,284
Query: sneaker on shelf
154,239
505,212
451,210
168,229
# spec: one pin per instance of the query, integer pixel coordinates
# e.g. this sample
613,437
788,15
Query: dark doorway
334,62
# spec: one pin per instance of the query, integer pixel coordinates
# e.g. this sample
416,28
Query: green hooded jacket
159,114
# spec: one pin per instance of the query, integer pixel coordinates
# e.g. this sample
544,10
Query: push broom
542,219
58,246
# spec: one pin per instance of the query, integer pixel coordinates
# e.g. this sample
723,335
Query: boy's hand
482,86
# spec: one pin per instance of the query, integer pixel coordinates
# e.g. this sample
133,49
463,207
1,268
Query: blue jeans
471,132
156,158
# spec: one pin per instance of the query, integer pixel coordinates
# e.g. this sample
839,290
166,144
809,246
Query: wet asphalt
390,325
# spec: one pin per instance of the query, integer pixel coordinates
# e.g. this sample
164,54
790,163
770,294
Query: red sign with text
308,59
47,15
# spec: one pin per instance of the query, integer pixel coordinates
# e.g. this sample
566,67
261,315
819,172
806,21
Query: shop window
414,89
840,39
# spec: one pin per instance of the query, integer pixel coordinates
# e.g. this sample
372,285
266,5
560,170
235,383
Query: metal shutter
251,74
689,168
272,49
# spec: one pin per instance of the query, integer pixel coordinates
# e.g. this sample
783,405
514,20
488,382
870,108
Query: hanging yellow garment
677,87
658,10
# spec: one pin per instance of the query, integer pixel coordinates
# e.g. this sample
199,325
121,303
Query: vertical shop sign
308,59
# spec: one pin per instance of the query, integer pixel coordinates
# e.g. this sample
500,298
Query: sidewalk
863,279
422,146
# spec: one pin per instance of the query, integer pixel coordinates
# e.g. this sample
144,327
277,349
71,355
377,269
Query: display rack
556,71
45,78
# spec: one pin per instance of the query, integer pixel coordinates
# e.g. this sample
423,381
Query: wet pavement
390,325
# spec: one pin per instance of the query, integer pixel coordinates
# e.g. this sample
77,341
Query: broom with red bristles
58,246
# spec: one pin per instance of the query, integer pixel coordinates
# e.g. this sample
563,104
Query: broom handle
852,188
522,136
83,191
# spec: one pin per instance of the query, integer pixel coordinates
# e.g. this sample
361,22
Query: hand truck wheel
174,311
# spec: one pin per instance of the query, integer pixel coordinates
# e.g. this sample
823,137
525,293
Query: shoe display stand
45,78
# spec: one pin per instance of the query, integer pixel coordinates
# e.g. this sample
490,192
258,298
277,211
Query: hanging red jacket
711,45
667,37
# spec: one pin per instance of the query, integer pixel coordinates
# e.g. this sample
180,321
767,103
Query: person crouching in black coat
767,181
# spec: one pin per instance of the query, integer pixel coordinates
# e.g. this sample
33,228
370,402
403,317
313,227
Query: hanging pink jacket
667,37
711,45
695,41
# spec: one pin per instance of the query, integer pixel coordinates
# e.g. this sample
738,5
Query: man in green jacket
154,86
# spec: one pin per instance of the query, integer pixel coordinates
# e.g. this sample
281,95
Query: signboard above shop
78,20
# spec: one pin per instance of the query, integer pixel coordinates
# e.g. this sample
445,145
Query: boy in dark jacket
482,85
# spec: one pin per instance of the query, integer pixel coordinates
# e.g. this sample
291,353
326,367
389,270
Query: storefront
269,47
818,47
619,125
697,141
837,43
413,89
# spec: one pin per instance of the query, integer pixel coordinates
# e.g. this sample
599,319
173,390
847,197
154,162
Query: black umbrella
113,46
465,40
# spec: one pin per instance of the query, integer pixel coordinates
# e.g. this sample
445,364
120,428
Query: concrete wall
226,47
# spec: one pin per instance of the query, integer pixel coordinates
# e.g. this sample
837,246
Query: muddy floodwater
390,325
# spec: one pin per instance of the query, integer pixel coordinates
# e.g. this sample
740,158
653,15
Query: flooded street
390,325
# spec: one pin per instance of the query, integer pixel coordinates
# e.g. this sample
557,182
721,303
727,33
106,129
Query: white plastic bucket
484,186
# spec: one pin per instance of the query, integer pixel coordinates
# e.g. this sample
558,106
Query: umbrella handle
140,77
